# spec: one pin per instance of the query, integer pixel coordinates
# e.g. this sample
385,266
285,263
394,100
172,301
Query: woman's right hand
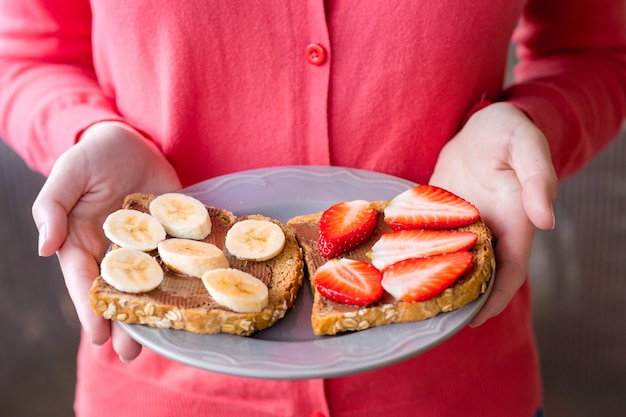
88,182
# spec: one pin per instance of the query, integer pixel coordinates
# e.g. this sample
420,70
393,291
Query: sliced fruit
130,270
420,279
255,240
181,215
236,290
191,257
133,229
429,207
344,226
418,243
349,281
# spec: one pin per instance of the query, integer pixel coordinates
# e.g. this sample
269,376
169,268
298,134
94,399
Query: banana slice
130,270
236,290
255,240
133,229
181,215
191,257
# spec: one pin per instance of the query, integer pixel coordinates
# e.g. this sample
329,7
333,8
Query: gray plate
289,349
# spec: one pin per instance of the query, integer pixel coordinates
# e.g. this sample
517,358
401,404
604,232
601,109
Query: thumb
51,220
53,205
532,163
537,197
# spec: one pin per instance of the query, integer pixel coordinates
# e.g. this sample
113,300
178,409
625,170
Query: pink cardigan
223,86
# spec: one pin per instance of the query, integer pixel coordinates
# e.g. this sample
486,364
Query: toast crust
182,302
329,317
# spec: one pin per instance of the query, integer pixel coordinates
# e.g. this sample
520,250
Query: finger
53,204
530,158
80,269
125,346
51,221
508,279
50,216
512,256
537,197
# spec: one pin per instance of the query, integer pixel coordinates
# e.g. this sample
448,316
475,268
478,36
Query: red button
315,54
317,414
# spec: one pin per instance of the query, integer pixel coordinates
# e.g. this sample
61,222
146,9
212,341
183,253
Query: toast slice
182,302
329,317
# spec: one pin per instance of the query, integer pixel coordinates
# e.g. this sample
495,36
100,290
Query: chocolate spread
308,236
184,291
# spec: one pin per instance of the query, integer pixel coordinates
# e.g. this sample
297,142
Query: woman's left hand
500,161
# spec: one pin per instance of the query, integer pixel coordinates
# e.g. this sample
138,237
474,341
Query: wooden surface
578,274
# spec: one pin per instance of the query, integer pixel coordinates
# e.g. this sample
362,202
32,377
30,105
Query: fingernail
94,342
553,216
127,361
43,235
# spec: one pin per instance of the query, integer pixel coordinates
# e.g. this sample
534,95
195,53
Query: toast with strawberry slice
429,252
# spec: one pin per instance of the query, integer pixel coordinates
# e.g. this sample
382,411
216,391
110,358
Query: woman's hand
500,161
87,183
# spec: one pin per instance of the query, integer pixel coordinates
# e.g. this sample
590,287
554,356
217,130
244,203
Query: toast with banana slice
178,264
425,252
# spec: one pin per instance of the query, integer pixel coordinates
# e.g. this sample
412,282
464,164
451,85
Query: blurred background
578,275
39,330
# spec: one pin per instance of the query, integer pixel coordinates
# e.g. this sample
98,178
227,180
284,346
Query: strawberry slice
349,281
418,243
420,279
344,226
429,207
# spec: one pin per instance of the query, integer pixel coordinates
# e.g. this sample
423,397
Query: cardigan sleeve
571,75
48,88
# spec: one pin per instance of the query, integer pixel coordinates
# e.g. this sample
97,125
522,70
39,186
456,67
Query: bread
182,302
329,317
